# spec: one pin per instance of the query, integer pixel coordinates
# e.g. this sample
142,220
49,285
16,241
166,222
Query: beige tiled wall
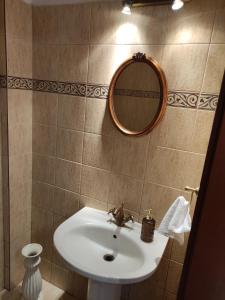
19,63
3,154
79,158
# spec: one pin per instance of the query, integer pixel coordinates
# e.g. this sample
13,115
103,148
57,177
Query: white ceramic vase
32,282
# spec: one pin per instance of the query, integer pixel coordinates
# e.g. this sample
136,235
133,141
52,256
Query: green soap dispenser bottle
148,227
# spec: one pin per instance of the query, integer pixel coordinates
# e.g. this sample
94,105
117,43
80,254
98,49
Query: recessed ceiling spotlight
177,4
127,7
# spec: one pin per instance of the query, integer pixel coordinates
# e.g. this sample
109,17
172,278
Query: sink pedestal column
102,291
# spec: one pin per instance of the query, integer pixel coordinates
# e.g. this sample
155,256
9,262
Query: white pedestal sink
108,255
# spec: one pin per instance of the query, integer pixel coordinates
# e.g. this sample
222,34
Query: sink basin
95,247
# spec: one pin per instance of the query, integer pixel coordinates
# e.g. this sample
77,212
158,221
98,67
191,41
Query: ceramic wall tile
218,35
202,132
68,175
159,199
173,277
2,54
70,144
43,195
61,24
105,59
1,265
44,139
214,69
20,198
24,228
78,286
98,151
19,107
125,189
165,167
91,202
74,24
144,289
168,250
160,276
2,17
42,230
20,169
20,139
192,24
170,296
45,61
19,61
97,118
95,183
16,260
43,168
220,4
45,106
19,58
65,203
176,129
46,269
71,112
178,250
46,24
18,19
185,74
145,26
60,277
130,155
72,63
56,258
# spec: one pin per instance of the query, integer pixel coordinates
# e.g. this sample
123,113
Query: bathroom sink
95,247
99,249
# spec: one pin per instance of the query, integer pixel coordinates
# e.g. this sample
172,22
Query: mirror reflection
136,96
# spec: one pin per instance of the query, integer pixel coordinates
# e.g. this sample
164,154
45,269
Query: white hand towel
177,220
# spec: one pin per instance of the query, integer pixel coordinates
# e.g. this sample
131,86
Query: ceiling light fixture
127,7
177,4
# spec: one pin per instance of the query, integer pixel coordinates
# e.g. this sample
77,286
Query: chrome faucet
119,216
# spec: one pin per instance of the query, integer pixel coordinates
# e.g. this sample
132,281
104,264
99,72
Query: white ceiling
61,2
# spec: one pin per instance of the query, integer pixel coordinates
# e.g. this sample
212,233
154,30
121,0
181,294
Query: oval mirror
138,95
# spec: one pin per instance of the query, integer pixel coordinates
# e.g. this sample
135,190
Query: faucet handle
112,210
132,218
122,205
129,218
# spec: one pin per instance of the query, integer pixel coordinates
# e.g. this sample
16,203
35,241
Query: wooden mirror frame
140,57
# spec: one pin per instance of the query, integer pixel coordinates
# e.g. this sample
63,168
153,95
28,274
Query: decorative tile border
20,83
137,93
182,99
97,91
67,88
75,89
208,101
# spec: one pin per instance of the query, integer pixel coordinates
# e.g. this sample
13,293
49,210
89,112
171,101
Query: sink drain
108,257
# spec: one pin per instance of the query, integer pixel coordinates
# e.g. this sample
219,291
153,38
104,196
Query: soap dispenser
148,227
